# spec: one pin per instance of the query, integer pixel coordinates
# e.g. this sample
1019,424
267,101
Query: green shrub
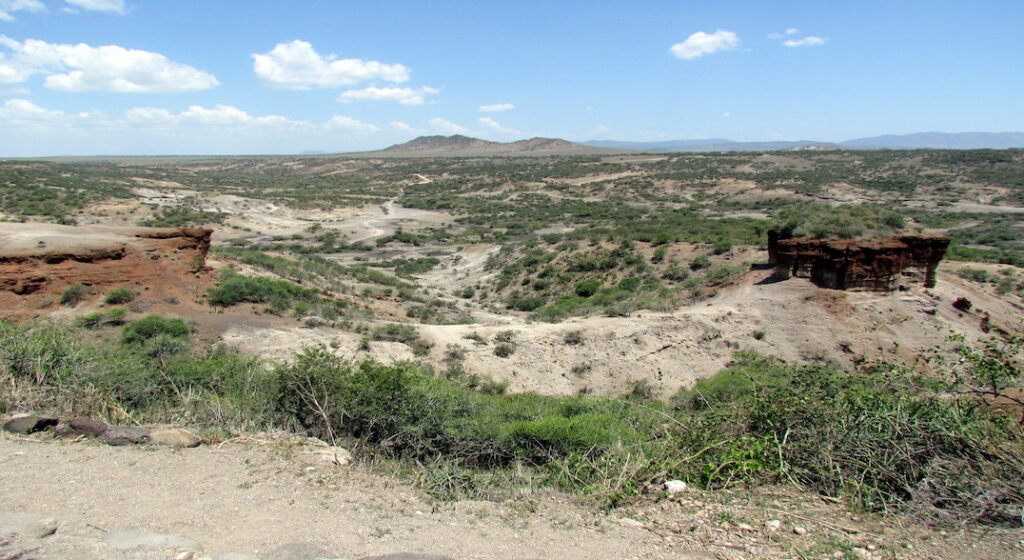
119,296
395,333
527,303
151,326
74,294
700,262
109,317
573,338
504,349
588,288
235,288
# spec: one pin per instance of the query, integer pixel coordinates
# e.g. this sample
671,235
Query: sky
144,77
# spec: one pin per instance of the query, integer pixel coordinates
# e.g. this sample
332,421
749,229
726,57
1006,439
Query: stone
80,427
124,540
88,426
25,425
745,527
407,556
773,525
13,524
124,435
799,531
675,486
174,437
297,551
333,455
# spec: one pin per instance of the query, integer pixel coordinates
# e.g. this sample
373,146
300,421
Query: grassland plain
596,325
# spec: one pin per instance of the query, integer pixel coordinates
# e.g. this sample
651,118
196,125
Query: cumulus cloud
399,126
116,6
809,41
405,96
494,126
21,110
296,65
76,68
790,31
701,43
7,7
341,122
447,127
496,108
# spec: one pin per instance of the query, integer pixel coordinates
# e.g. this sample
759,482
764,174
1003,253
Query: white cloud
405,96
494,126
9,6
296,65
399,126
341,122
116,6
22,110
809,41
701,43
726,114
447,127
496,108
224,117
80,67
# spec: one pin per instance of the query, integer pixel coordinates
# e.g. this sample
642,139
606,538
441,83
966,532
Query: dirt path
238,502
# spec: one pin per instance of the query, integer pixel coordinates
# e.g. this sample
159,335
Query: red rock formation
872,264
46,258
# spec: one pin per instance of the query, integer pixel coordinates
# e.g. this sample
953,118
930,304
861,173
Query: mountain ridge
917,140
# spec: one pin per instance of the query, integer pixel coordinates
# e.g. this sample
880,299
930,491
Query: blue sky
261,76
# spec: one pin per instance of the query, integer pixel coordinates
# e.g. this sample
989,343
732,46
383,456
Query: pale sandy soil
257,498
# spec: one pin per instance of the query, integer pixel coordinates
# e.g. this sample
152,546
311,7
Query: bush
110,317
700,262
235,288
395,333
74,294
573,338
527,303
588,288
504,349
119,296
151,326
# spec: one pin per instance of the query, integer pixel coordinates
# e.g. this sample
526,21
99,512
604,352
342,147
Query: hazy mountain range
465,146
942,140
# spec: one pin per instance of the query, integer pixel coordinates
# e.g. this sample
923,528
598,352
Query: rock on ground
124,435
174,437
25,425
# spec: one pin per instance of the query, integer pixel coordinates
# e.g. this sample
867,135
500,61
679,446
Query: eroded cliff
871,264
39,261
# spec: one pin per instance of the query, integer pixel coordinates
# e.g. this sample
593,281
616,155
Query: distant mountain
946,140
465,146
708,145
941,140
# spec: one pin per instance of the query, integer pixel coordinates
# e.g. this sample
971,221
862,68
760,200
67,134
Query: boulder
330,455
124,435
174,437
13,525
124,540
297,551
25,425
81,427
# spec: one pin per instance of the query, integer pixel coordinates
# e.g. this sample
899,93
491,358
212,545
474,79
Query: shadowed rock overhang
870,264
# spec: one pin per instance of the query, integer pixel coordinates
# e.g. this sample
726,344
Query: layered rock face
869,264
37,258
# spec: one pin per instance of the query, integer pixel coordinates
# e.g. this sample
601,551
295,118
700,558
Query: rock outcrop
47,258
869,264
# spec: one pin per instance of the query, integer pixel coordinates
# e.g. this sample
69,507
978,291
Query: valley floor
271,499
